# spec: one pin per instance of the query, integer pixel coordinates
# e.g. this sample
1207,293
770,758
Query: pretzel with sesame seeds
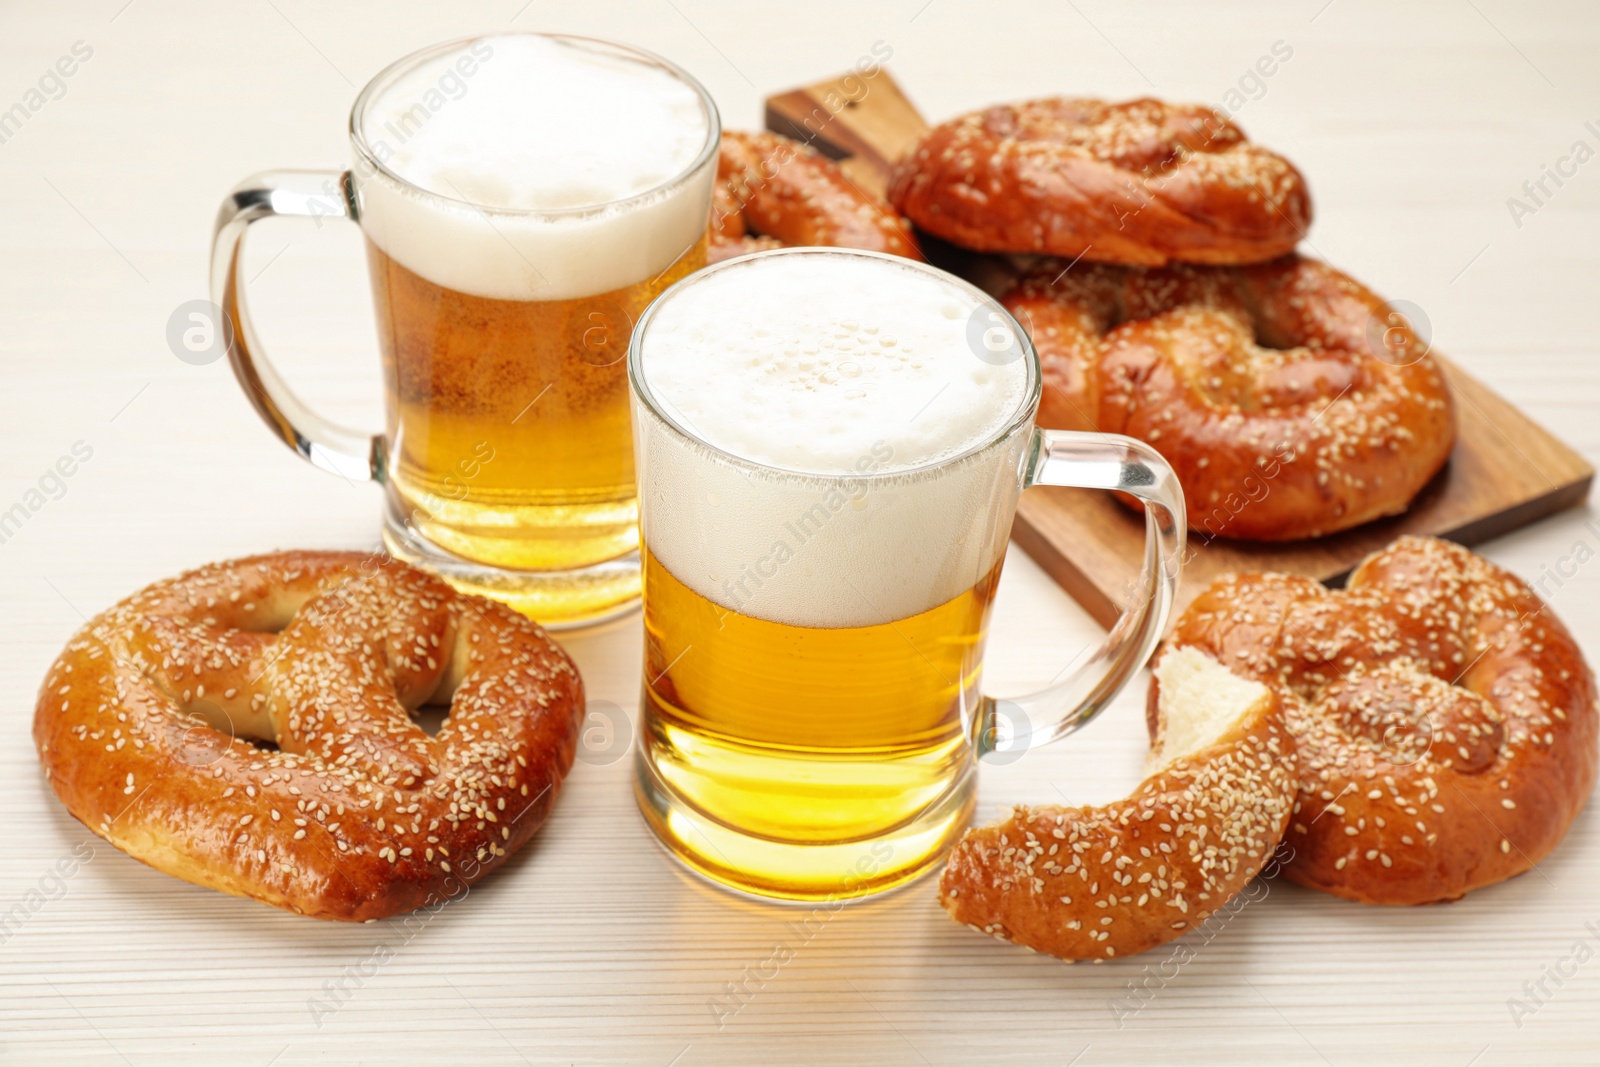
773,191
145,725
1291,400
1140,182
1099,882
1445,719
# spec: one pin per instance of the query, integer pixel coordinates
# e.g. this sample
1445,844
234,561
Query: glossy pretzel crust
1445,719
773,191
143,722
1097,882
1140,182
1291,400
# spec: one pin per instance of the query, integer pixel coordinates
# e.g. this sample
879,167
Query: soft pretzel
1140,182
1445,718
1098,882
1288,398
774,191
144,726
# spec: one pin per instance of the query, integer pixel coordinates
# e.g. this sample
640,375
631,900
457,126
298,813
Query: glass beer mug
830,447
523,198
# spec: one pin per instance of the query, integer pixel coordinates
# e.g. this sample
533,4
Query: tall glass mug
830,448
523,198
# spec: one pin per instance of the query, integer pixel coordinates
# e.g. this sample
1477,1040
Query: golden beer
508,419
823,737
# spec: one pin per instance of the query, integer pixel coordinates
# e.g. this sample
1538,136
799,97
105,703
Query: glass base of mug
556,600
801,872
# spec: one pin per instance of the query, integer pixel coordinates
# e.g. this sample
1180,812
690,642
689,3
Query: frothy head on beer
533,167
887,446
806,361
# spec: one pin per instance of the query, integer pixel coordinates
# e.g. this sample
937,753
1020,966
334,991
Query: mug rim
1026,410
381,80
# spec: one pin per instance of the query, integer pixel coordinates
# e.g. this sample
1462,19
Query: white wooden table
1414,126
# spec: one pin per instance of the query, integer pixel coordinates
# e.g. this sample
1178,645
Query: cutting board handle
862,119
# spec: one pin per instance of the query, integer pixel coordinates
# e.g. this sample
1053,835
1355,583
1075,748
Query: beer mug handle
306,194
1122,464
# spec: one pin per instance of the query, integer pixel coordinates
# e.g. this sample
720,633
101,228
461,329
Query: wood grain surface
1415,123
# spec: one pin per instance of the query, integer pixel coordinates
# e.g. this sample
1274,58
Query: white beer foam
521,123
831,366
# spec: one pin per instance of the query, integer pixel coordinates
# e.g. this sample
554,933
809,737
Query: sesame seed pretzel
1289,399
1096,882
1140,182
773,191
1445,719
145,722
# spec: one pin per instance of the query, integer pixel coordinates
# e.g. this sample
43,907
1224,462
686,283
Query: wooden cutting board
1506,471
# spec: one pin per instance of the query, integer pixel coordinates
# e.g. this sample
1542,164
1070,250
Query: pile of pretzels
1161,287
1425,732
1429,730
